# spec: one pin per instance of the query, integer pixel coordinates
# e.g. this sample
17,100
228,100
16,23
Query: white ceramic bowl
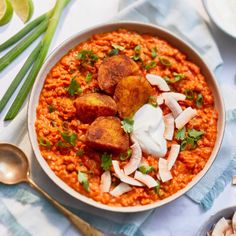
60,51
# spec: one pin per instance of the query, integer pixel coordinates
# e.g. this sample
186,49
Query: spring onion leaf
153,101
70,138
189,94
150,65
183,145
115,46
196,134
127,125
199,100
51,108
137,49
125,156
180,134
106,161
145,169
88,77
164,61
83,179
178,76
135,57
154,52
157,188
44,142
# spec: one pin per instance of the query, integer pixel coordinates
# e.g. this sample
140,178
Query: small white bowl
61,50
221,16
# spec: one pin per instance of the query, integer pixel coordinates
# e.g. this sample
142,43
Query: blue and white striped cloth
23,212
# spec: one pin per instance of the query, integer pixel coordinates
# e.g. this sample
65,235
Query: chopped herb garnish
191,142
127,125
150,65
189,94
137,49
145,169
183,145
80,153
135,57
87,56
115,46
51,108
88,77
74,87
125,156
178,76
113,52
180,134
69,138
157,188
199,100
196,134
106,161
164,61
154,52
44,142
61,144
83,179
153,101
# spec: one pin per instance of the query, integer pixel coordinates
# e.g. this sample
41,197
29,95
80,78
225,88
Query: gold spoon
14,169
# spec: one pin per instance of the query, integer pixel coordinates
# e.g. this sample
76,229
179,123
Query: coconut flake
164,173
124,178
174,152
105,181
158,81
160,100
234,222
176,96
146,179
184,117
220,227
169,126
120,189
135,159
173,105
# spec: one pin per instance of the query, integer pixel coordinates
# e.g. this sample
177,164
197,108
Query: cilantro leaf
199,100
157,188
51,108
87,56
196,134
154,52
106,161
145,169
69,138
180,134
74,87
127,125
113,52
83,179
164,61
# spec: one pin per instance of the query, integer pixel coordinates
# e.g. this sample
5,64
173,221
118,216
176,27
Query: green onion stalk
46,41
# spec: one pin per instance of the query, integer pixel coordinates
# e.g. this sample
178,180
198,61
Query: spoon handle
83,226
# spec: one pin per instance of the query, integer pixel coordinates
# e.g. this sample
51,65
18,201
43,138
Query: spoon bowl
14,165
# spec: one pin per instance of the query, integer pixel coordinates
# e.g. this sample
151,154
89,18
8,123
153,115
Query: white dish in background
223,14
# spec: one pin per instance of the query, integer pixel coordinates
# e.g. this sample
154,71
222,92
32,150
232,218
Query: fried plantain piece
92,105
113,69
106,134
130,94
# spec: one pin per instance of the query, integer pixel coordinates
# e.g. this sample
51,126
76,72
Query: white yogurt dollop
148,130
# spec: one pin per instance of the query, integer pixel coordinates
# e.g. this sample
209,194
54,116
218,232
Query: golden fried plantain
113,69
92,105
130,94
106,134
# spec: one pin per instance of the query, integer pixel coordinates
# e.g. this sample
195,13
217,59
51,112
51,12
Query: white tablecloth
182,217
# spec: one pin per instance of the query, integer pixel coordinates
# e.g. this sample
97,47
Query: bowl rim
66,188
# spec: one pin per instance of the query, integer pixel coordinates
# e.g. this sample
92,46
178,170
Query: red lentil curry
63,121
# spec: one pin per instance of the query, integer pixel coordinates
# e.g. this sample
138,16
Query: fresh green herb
145,169
61,144
157,188
153,101
180,134
83,179
150,65
196,134
51,108
191,142
44,142
178,76
127,125
199,100
115,46
135,57
125,156
69,138
113,52
164,61
87,56
154,52
189,94
137,49
88,77
74,87
183,145
80,153
106,161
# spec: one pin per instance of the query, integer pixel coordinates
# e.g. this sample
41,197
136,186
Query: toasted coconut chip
176,96
124,178
234,222
105,181
120,189
185,117
146,179
174,152
169,126
173,105
234,180
160,100
220,227
164,173
158,81
135,159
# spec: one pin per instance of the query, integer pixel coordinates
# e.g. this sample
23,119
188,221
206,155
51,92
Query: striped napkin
24,212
